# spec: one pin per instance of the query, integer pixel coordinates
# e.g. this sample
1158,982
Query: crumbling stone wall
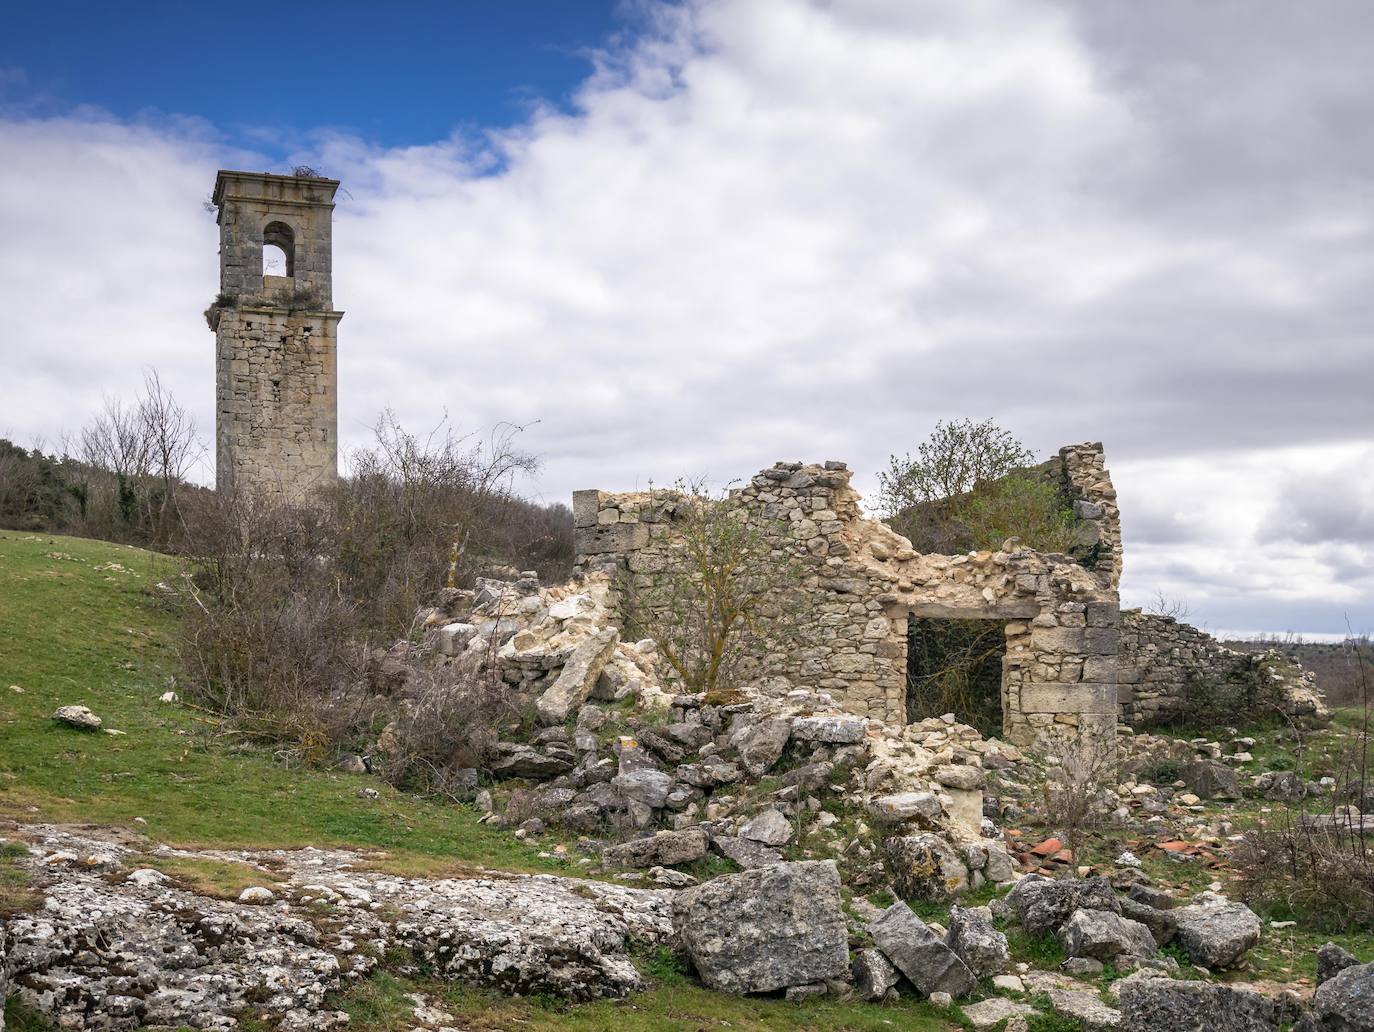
864,582
1161,657
1094,503
276,337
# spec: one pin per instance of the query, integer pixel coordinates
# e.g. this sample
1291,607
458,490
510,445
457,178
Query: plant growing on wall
724,602
968,488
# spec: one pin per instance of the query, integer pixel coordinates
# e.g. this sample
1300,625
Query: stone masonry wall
865,581
1160,656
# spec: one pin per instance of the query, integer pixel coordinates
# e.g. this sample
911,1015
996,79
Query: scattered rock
761,744
1332,960
671,879
1161,923
256,895
925,866
919,953
766,929
745,852
960,776
578,677
832,730
1344,1002
645,785
993,1011
770,828
874,975
1156,1004
1086,1008
79,717
1210,779
1082,967
1281,786
664,849
1217,933
906,806
1043,904
515,760
980,946
1105,936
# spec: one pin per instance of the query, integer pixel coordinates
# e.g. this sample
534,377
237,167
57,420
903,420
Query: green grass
73,629
672,1004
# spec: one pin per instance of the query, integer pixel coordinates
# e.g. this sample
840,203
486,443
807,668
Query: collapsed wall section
1164,664
863,582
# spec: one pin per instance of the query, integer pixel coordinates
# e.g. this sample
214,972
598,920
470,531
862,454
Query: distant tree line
121,477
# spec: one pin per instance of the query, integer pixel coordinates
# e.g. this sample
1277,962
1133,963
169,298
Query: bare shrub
1321,865
1167,605
265,636
447,721
286,603
1079,767
723,604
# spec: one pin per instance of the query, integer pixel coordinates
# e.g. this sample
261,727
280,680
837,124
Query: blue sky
691,239
261,74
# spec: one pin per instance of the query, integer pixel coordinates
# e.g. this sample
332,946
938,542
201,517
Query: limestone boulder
992,1012
1105,936
1086,1008
770,828
760,745
79,717
1344,1002
1043,904
919,953
747,853
925,866
1332,960
831,730
874,975
1155,1004
981,947
766,929
578,677
1216,934
1161,923
645,785
664,849
1211,779
514,760
901,807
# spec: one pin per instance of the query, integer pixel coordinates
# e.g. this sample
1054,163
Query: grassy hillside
85,622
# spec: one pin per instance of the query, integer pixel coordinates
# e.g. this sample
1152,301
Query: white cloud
805,230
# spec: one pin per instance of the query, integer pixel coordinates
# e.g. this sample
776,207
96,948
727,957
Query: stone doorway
956,666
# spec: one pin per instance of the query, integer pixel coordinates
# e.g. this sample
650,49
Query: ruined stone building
1072,660
276,336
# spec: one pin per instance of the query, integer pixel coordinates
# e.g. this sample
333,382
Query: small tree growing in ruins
968,488
1079,765
723,604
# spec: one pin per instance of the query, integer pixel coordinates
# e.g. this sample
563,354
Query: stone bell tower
276,336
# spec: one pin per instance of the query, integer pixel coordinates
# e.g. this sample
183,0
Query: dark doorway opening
955,666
